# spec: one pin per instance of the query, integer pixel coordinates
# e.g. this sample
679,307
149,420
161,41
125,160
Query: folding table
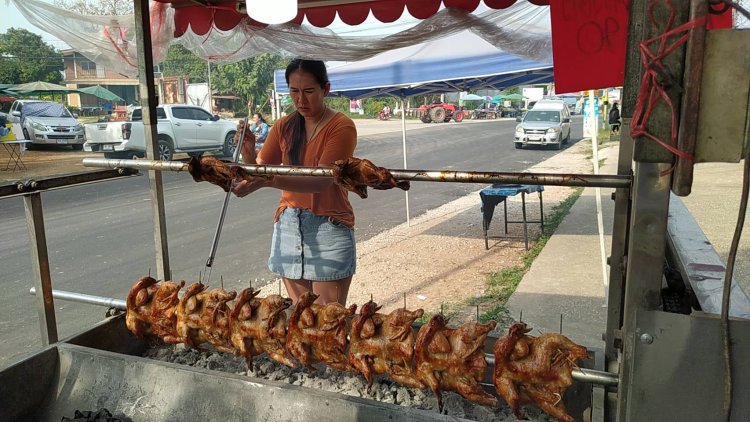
497,193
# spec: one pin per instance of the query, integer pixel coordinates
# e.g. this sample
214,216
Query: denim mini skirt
311,247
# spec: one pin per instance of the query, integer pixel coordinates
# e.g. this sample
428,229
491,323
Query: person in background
259,128
313,246
614,119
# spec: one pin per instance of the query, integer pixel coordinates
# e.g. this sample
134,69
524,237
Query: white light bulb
272,12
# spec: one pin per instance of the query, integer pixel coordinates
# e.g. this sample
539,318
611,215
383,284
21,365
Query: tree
25,57
97,7
249,79
182,62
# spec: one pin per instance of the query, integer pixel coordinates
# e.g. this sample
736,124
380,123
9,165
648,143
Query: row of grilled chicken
527,369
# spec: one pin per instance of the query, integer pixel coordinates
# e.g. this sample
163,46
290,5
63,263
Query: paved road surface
100,235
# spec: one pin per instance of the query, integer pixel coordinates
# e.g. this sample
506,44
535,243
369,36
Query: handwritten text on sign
589,43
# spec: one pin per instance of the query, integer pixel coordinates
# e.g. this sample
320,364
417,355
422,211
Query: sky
10,17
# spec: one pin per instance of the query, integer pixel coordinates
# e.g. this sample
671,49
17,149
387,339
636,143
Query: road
100,236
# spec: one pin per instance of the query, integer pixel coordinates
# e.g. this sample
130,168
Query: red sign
590,41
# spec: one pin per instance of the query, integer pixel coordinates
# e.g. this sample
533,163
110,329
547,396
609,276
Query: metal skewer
547,179
217,235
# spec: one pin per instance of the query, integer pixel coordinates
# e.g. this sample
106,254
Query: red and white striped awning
202,15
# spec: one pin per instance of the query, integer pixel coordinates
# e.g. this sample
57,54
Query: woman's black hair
260,117
295,129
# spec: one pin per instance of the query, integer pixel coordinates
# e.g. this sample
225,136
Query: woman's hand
247,186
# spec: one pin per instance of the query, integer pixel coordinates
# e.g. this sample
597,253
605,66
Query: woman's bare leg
296,288
332,291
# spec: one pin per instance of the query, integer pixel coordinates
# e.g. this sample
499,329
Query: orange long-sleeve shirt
335,141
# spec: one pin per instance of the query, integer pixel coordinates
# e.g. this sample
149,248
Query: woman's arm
340,145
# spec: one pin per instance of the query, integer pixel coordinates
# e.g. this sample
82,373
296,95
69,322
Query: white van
547,123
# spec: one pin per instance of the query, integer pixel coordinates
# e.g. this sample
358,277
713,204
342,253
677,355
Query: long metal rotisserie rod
580,375
547,179
108,302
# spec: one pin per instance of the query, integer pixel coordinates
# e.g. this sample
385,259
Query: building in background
81,72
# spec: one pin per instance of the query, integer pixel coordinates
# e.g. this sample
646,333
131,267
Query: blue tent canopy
461,62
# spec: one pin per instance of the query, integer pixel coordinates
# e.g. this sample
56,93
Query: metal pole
547,179
148,103
40,261
650,193
403,145
108,302
581,375
210,96
598,191
217,234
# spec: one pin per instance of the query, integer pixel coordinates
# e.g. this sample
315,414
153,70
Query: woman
313,247
259,128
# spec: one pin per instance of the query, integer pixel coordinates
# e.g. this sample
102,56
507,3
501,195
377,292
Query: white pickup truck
180,128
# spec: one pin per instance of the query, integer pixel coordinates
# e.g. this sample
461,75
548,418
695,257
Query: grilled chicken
245,325
271,321
356,174
318,333
138,306
535,370
453,359
189,310
164,311
214,317
384,344
215,171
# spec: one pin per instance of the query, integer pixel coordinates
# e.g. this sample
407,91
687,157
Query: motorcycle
384,116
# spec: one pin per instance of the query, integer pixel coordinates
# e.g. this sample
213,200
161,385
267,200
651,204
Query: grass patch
502,284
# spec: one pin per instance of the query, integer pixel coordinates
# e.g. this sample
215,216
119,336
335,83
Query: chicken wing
356,174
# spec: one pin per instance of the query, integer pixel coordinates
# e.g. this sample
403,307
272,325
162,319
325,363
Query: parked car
47,122
548,123
180,128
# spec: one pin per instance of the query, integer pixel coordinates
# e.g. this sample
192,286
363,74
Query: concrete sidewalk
566,278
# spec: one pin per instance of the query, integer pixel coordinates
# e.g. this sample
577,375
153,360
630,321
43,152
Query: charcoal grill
103,367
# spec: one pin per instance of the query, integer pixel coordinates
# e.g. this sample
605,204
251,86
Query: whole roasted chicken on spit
203,317
259,326
164,311
384,344
535,370
138,303
318,333
215,171
453,359
356,174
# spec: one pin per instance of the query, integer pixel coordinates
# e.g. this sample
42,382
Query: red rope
122,35
652,88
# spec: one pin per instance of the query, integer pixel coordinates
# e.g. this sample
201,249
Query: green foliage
182,62
25,57
250,79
